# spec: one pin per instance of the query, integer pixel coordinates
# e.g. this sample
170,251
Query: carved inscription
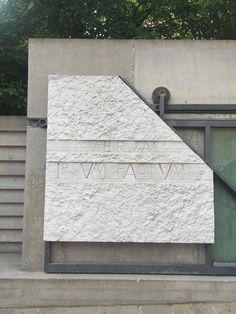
120,152
119,171
113,146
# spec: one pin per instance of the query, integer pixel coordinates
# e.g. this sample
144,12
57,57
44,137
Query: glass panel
224,152
224,159
224,249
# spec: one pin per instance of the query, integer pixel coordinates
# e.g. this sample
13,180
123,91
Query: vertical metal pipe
162,106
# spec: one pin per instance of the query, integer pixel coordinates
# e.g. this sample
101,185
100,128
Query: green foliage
117,19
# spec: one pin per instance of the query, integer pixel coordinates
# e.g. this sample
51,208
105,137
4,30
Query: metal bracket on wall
161,96
37,123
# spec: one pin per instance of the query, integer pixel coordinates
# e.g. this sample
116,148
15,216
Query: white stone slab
116,172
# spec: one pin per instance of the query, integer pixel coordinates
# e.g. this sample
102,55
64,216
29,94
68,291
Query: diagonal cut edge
215,171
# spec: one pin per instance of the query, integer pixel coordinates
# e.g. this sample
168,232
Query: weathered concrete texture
208,308
194,71
81,310
33,246
12,171
125,191
30,289
13,259
13,123
214,308
149,253
182,309
73,56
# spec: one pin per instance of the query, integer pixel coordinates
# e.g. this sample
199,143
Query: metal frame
197,108
111,268
209,268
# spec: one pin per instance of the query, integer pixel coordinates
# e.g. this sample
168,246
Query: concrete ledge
196,308
20,289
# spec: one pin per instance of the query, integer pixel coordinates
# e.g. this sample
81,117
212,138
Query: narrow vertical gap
47,257
162,106
209,254
207,154
207,144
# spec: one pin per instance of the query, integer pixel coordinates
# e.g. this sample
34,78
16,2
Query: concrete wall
193,71
12,171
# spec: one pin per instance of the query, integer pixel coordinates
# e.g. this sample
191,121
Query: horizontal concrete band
196,308
24,289
207,67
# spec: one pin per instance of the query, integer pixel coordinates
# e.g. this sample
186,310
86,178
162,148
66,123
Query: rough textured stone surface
100,107
116,172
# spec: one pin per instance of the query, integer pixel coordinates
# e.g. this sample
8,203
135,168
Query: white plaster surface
116,172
